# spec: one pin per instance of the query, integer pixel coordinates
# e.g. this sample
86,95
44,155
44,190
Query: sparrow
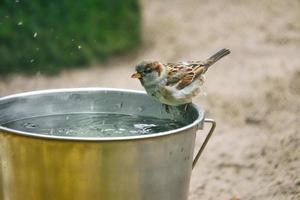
175,84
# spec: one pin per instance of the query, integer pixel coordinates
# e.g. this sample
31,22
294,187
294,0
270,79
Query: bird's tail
217,56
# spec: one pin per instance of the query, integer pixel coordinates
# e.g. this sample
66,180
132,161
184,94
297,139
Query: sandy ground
253,94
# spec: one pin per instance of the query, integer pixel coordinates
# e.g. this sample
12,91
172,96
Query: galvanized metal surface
151,167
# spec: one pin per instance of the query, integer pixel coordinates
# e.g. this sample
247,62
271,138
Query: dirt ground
253,94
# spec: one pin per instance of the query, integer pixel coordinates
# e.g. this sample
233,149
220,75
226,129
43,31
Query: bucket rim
196,123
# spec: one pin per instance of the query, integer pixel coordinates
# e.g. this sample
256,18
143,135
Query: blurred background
253,93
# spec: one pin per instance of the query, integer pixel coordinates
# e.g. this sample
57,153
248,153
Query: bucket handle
213,126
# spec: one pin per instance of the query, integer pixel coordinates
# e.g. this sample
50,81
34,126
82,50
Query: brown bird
175,83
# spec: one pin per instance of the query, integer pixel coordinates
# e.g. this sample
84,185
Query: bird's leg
167,108
186,106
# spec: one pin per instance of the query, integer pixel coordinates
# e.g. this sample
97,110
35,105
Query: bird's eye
147,70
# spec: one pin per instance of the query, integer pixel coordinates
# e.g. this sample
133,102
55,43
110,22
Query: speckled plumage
175,83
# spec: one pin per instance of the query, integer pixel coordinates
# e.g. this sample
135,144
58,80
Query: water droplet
35,34
68,132
119,105
92,107
32,60
141,108
29,125
17,1
20,23
79,46
143,126
67,117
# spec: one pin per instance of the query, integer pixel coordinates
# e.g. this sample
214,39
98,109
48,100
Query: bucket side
148,169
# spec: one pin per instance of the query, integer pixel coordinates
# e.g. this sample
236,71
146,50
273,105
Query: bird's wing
183,74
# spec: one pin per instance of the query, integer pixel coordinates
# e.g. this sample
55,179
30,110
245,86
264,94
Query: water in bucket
93,125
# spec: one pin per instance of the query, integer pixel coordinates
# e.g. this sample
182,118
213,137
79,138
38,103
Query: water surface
93,125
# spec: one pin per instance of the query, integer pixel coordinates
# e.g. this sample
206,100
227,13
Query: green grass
48,35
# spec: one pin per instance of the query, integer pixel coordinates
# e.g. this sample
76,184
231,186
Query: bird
175,84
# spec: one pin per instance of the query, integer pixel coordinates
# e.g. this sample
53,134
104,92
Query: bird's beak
136,75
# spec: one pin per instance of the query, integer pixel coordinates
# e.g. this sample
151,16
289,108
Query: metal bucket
145,167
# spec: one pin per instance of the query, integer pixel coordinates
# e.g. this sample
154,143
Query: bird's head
149,72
